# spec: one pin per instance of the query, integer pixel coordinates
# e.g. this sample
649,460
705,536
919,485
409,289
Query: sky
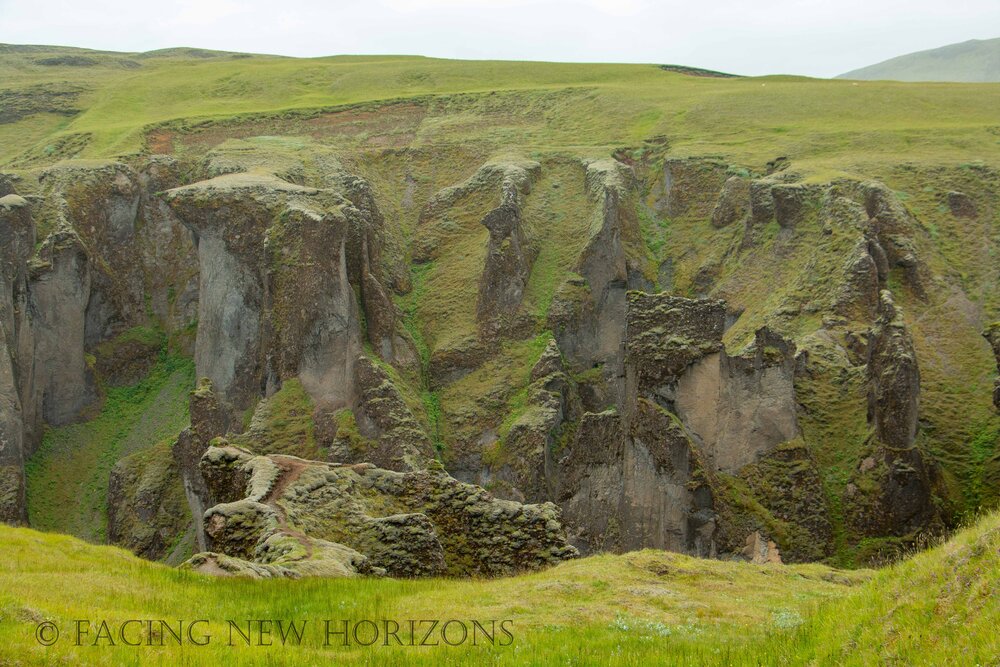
809,37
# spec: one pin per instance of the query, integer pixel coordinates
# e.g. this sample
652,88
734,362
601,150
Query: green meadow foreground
645,607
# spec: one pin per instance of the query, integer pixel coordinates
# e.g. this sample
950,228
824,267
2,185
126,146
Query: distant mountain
975,61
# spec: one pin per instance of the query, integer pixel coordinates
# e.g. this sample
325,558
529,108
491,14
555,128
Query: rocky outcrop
901,499
894,378
858,297
894,229
509,257
275,298
19,421
587,316
394,438
734,202
208,421
147,509
761,202
296,517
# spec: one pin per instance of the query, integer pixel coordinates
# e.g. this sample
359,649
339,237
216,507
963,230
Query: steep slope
974,61
68,477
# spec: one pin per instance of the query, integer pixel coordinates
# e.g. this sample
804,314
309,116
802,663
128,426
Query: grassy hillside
975,61
939,606
68,475
108,107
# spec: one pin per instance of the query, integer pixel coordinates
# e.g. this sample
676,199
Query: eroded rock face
275,298
902,504
296,517
60,294
509,257
398,441
19,424
588,317
734,202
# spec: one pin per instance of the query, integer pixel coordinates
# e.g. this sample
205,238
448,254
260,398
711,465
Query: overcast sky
812,37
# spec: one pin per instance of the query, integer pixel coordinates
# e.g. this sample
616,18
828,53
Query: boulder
734,202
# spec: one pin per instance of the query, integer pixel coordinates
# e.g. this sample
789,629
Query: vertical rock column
18,423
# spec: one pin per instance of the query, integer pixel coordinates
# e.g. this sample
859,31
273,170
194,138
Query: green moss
68,475
150,337
347,431
283,424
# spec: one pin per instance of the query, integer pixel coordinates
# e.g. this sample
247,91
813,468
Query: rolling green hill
107,104
934,608
974,61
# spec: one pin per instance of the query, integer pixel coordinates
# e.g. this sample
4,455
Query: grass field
827,127
638,608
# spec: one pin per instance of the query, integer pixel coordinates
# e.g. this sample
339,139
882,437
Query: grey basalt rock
398,440
902,501
19,421
275,297
509,258
60,288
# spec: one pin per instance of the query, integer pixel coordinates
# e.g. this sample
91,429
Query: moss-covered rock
294,512
148,512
